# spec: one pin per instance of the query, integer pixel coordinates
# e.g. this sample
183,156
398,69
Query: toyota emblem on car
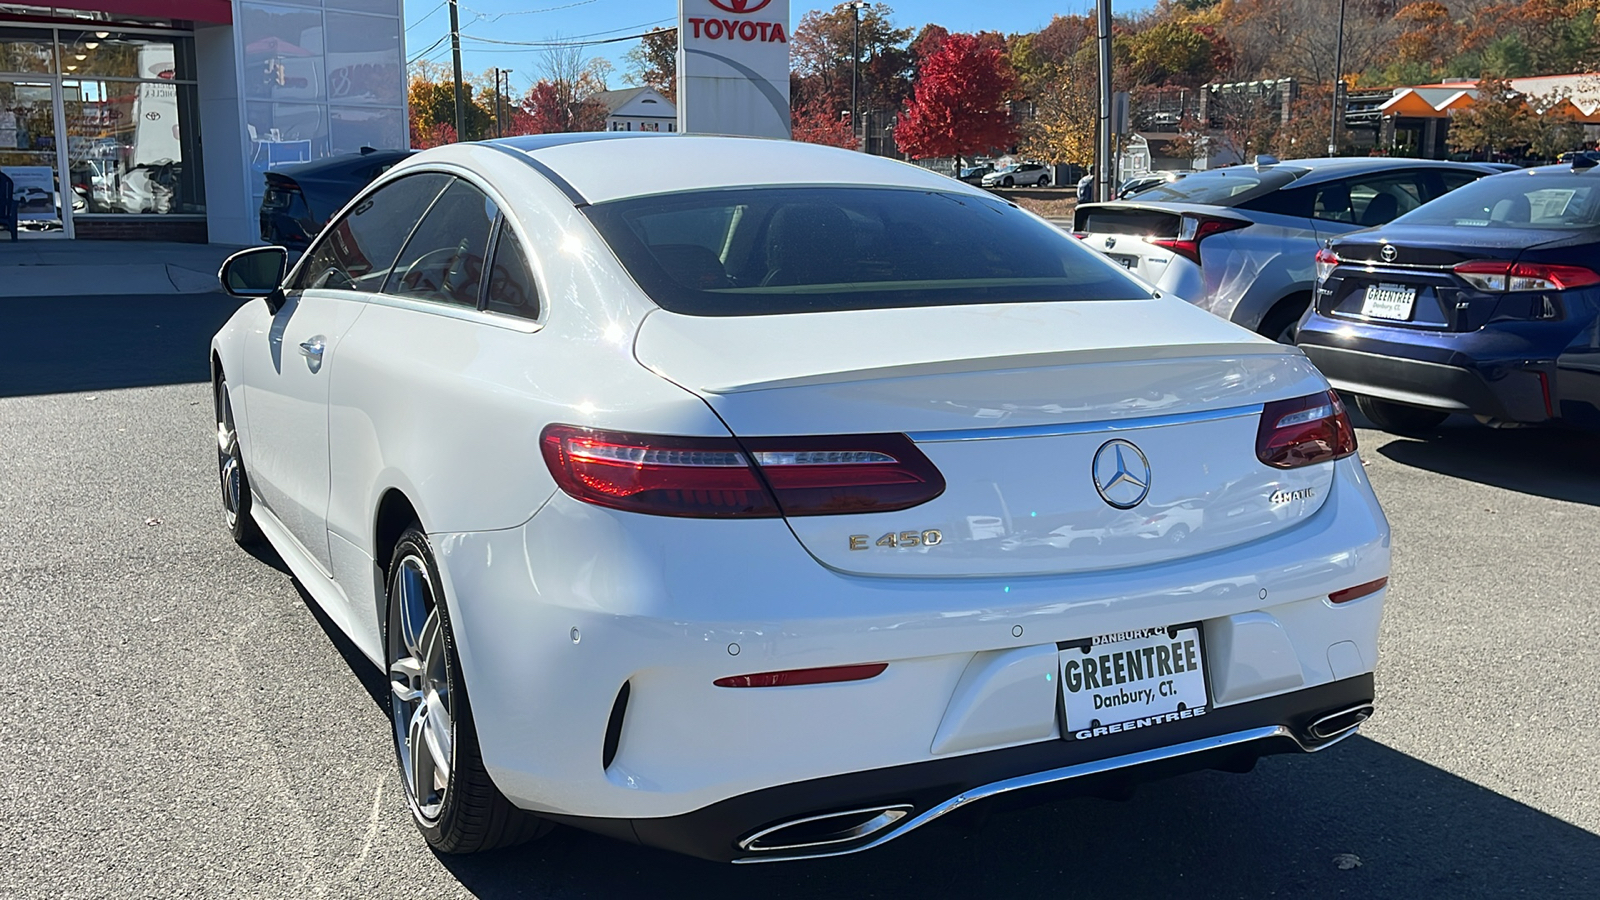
1388,253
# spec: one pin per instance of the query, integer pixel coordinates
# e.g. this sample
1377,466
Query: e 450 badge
898,540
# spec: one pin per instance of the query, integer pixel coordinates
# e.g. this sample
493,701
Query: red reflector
1304,431
794,677
1359,591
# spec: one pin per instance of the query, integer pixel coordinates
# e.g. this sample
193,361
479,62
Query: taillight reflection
1304,431
727,478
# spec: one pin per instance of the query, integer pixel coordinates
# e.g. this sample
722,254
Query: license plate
1389,301
1132,680
1128,262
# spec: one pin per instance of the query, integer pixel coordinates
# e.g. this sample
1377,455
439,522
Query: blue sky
542,20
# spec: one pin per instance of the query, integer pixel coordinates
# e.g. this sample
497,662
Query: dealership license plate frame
1074,726
1394,302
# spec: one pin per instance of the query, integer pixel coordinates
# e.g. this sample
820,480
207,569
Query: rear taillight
1304,431
1192,230
1499,275
1326,261
727,478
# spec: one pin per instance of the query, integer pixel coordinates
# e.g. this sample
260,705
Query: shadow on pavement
1361,820
1560,465
371,677
60,344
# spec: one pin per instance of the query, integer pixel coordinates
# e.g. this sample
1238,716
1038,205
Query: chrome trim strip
886,816
1093,767
1102,425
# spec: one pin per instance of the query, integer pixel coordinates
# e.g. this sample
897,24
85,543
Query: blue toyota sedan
1485,301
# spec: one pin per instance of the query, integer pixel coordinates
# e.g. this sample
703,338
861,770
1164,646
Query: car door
414,389
287,381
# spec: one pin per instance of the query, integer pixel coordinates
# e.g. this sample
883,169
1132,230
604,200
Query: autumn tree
1066,113
431,95
550,109
1498,120
653,61
816,123
820,48
958,106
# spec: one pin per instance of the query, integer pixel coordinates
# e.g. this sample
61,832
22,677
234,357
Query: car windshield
1553,200
764,251
1223,187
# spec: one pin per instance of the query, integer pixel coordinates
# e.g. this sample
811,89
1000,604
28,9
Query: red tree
816,123
959,105
546,111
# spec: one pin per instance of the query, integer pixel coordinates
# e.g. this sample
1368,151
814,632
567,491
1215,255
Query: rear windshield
1223,187
1553,200
764,251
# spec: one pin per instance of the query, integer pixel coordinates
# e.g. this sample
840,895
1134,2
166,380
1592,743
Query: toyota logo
1388,252
740,6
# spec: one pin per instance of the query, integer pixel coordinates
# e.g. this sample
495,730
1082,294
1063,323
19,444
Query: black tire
231,475
1280,322
1044,182
1008,182
1398,418
470,814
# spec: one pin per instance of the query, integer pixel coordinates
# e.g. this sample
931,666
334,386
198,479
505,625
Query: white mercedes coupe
765,501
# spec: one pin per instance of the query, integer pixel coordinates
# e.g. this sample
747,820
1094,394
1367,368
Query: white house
638,109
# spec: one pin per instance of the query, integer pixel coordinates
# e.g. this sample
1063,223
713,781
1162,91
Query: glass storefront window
23,50
364,64
354,127
282,133
379,7
282,53
130,147
114,55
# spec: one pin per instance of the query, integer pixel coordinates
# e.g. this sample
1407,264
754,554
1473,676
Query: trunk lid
1013,403
1124,231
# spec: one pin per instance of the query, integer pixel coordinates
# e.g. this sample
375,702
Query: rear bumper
1440,371
1228,738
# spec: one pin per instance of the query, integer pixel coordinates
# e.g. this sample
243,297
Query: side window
443,261
1453,180
511,288
1371,199
356,252
1287,202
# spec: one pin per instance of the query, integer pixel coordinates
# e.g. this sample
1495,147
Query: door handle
312,348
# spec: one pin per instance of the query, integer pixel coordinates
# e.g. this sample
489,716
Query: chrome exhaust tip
1335,724
825,830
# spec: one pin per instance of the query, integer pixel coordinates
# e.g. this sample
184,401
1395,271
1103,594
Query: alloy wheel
419,685
230,470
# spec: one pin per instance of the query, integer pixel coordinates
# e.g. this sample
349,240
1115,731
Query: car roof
1326,168
332,166
596,167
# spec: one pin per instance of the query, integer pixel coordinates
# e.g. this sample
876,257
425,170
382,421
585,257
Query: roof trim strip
561,184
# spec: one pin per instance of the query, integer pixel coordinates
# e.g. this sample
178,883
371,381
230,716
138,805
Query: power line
546,45
531,12
426,15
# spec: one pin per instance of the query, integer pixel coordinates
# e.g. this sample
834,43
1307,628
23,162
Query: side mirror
256,272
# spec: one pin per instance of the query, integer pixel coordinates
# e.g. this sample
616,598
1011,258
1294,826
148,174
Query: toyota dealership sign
733,67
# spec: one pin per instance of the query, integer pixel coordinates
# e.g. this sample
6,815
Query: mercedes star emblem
1121,474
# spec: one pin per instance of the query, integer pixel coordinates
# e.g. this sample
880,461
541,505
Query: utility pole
455,53
1338,84
509,106
1104,184
497,129
855,61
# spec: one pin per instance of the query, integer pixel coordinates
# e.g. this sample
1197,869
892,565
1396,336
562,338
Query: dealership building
155,119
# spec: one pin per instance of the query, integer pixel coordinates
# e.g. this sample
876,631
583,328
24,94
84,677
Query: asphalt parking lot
179,722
